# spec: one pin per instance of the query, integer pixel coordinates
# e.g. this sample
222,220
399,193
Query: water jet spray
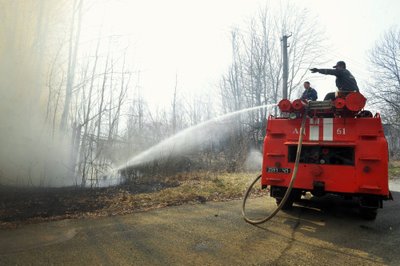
187,139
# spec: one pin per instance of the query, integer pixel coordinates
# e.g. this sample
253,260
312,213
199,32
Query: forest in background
72,108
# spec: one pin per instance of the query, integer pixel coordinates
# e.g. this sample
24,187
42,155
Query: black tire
288,204
294,196
368,213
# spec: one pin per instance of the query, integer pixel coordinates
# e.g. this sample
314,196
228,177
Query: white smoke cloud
29,154
253,161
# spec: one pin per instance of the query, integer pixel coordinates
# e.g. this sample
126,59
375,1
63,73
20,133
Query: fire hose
288,190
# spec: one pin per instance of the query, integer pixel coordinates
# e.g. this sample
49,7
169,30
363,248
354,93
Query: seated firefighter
345,81
309,94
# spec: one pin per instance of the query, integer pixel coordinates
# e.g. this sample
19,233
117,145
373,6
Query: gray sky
191,38
353,27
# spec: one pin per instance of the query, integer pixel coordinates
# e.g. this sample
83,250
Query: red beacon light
355,101
285,105
339,103
298,105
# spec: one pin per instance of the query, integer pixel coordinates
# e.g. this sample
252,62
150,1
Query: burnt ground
20,205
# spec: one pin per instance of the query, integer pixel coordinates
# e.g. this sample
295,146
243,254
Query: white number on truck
341,131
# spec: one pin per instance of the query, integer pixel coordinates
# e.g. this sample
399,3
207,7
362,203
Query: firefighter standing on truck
309,94
345,81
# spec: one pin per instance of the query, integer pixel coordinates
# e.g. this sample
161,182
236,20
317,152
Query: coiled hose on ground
289,189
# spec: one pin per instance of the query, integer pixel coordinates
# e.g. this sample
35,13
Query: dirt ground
312,233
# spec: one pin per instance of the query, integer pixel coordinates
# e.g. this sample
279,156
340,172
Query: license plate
278,170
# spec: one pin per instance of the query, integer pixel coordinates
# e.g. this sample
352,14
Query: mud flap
319,188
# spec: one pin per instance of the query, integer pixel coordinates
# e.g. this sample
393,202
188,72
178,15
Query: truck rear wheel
369,205
368,213
288,204
294,196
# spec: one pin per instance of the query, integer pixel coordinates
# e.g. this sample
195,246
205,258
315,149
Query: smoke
253,161
30,152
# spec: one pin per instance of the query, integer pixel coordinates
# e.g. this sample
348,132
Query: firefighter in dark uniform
309,94
345,81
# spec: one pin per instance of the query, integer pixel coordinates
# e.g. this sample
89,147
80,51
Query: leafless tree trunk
101,108
73,51
174,106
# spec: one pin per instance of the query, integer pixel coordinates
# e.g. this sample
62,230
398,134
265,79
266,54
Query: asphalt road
318,233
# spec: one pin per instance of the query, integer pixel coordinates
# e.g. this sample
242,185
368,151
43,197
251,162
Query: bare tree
254,77
385,59
232,85
385,88
73,51
174,103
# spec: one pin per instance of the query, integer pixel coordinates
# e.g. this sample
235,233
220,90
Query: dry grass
36,205
66,203
394,169
192,188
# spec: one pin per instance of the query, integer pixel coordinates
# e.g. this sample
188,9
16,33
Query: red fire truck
343,151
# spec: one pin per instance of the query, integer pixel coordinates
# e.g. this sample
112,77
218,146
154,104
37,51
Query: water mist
189,139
